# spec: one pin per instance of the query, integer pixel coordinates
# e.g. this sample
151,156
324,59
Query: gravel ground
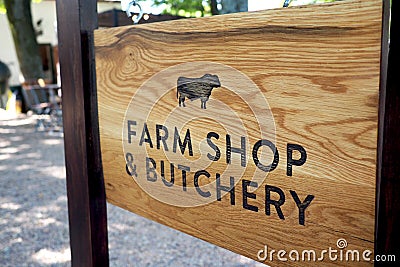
34,217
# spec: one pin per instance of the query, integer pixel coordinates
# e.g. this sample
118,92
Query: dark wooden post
387,232
86,194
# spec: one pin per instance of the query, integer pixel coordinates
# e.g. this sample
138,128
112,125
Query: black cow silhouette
194,88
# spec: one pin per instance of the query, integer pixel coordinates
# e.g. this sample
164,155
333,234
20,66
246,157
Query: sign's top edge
273,16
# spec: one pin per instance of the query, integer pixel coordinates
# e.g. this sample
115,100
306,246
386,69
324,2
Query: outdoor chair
46,103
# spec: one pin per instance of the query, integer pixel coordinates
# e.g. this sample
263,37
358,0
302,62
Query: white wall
105,6
7,50
45,10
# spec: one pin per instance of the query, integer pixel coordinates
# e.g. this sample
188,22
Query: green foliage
187,8
199,8
322,1
2,7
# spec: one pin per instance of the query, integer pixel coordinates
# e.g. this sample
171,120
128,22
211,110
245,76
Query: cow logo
190,154
194,88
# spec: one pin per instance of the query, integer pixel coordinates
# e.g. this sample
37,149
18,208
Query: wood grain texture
319,69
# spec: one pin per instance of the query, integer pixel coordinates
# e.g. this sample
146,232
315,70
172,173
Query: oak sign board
251,130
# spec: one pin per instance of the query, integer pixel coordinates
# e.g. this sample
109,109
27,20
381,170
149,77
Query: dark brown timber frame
387,222
85,184
77,20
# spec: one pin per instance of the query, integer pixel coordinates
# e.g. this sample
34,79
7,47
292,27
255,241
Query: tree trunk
214,7
20,20
233,6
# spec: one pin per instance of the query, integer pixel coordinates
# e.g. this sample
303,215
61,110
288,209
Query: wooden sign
254,131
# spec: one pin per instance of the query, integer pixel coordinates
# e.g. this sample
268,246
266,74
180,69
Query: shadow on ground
34,220
33,217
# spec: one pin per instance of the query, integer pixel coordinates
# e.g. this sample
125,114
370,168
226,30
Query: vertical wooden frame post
388,169
85,184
